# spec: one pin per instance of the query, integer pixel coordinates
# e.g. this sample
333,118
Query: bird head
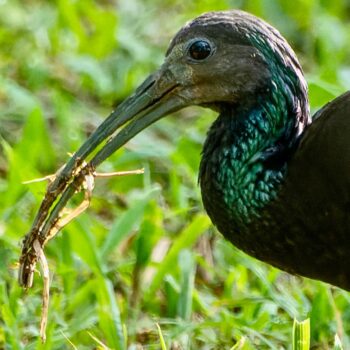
219,58
213,61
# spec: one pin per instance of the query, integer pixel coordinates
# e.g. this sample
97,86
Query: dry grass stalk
82,179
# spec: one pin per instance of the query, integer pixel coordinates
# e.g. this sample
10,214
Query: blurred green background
144,252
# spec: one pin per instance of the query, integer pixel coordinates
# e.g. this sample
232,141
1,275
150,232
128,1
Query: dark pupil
200,50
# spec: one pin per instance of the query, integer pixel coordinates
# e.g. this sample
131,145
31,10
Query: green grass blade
186,239
162,342
109,313
127,222
337,343
101,345
187,267
301,335
84,244
125,333
239,345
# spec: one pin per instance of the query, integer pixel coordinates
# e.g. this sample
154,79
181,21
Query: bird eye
199,50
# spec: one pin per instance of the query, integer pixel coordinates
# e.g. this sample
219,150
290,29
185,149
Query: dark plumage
276,185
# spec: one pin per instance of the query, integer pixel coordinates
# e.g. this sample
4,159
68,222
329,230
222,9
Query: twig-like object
69,215
79,173
46,290
47,222
70,179
57,219
65,183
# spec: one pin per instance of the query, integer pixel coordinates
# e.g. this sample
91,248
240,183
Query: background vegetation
145,252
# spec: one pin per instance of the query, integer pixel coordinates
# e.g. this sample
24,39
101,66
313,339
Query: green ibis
274,181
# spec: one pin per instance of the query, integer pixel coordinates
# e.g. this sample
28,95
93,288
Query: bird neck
247,149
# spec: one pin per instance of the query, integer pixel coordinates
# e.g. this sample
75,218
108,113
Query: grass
301,335
144,253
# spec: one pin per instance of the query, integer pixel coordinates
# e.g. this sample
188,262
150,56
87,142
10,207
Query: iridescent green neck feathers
247,149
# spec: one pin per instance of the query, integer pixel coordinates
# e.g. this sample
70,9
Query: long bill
142,109
159,95
153,99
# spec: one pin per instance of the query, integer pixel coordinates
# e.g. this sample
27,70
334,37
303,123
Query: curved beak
156,97
161,93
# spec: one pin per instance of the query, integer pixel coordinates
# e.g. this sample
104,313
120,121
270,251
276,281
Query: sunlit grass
145,253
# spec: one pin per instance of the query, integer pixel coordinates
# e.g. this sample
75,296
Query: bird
274,180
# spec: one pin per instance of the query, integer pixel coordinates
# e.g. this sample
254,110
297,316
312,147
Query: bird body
313,206
270,180
303,226
275,183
